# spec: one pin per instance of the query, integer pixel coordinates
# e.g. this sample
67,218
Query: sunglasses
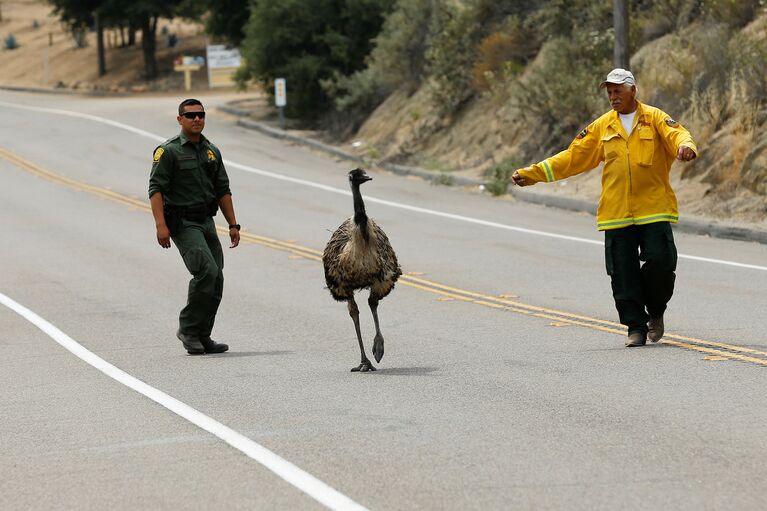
192,115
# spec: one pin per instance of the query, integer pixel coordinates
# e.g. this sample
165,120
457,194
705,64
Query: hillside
676,72
43,38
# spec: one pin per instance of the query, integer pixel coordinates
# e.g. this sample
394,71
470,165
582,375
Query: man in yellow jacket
638,144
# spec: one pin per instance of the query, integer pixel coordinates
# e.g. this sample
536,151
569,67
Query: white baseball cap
619,76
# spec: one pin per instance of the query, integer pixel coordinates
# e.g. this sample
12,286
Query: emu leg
354,312
378,341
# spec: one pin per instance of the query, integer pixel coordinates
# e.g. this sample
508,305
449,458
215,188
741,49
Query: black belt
194,213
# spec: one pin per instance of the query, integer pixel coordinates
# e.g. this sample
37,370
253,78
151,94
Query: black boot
212,346
192,344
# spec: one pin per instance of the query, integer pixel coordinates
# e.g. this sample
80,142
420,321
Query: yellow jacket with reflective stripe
635,177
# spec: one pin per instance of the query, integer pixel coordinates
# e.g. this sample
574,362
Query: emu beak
366,178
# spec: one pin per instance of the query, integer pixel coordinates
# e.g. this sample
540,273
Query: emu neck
360,217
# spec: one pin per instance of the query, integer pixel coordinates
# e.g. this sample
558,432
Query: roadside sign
280,92
187,60
187,65
222,64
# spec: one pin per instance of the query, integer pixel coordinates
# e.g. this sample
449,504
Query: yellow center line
729,351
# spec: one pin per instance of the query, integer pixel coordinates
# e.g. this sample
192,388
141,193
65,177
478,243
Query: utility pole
100,44
621,24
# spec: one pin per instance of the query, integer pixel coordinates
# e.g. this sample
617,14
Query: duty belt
195,212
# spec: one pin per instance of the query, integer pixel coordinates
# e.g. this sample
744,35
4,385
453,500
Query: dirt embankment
47,55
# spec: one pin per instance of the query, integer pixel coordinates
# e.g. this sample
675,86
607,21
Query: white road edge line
304,481
392,204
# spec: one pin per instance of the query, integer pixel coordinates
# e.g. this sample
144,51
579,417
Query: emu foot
364,367
378,347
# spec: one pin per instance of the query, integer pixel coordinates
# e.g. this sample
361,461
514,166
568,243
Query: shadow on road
405,371
233,354
649,345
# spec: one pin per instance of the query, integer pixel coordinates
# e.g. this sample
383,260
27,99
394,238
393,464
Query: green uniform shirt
188,174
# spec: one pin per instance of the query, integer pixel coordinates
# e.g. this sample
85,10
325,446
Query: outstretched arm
584,153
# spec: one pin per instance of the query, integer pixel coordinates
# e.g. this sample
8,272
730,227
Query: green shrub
500,56
309,42
10,42
399,56
736,13
557,94
451,58
443,179
500,175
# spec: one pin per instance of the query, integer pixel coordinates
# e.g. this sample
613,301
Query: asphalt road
505,383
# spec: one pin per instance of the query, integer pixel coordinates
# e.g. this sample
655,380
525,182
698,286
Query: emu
359,256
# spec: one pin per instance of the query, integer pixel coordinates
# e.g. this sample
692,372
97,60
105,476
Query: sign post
187,65
280,98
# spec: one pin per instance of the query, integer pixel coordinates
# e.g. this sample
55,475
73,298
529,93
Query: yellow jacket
635,178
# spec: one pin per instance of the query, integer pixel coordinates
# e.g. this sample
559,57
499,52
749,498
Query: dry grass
73,67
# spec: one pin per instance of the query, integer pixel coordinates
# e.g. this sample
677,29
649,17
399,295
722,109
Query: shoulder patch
158,154
583,133
211,155
671,122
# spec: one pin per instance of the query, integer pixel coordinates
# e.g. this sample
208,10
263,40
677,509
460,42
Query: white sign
222,64
280,92
220,56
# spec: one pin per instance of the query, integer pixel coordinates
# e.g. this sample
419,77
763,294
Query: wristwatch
234,226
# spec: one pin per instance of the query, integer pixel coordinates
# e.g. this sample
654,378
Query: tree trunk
131,35
100,45
621,23
149,46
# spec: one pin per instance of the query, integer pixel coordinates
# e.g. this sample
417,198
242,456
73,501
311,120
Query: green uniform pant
641,292
201,250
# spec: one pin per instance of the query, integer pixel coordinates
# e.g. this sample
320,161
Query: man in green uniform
187,186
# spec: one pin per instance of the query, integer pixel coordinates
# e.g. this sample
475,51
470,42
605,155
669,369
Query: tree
226,19
142,14
77,14
307,41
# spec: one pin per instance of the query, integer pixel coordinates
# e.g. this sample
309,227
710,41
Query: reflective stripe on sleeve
547,169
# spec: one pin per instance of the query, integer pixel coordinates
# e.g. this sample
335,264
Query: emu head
358,176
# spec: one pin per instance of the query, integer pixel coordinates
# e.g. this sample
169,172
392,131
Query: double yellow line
716,350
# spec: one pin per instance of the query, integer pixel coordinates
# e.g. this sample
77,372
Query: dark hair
187,102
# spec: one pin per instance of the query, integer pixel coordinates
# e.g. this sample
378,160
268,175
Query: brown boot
655,326
636,339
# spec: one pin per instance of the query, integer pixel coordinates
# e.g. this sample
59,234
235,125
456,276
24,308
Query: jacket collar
615,120
184,139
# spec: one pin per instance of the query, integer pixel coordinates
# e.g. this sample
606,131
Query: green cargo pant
201,250
641,292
